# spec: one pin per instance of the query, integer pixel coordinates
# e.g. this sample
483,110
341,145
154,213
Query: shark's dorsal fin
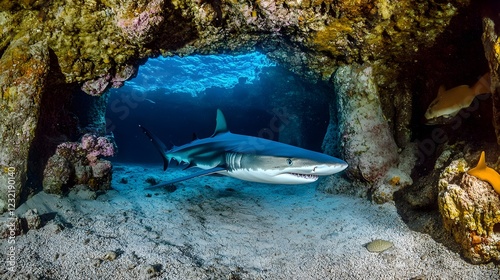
221,126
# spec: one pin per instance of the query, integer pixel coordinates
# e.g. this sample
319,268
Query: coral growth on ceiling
95,38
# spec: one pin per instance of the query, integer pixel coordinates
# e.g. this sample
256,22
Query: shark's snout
329,169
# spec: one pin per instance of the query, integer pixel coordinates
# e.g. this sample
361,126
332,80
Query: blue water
175,97
193,75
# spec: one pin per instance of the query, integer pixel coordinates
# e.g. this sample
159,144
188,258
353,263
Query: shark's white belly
269,177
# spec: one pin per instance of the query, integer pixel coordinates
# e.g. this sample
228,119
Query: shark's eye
289,161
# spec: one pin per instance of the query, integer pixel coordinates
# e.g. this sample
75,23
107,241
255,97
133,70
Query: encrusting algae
485,173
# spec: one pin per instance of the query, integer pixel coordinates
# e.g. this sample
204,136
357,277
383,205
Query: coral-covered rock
23,70
471,212
10,228
96,147
83,173
98,86
124,73
101,175
94,39
140,25
80,163
396,178
57,175
491,43
365,136
368,144
33,220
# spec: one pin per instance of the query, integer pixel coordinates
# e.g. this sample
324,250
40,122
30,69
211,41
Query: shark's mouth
305,176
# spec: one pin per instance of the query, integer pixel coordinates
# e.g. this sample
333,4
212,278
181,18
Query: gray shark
247,158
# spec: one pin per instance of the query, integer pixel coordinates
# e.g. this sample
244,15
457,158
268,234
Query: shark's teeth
305,176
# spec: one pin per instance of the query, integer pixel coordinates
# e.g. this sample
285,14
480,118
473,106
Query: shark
448,103
246,158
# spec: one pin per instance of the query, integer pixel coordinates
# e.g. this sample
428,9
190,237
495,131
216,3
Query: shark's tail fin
158,145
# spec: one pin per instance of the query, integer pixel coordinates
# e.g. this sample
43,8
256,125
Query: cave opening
178,96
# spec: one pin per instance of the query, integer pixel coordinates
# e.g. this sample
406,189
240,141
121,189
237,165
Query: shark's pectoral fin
190,176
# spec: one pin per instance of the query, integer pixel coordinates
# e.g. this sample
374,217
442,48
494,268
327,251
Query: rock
98,86
491,44
150,271
141,26
123,180
33,220
423,194
360,118
10,228
393,181
396,178
124,73
80,163
471,212
378,246
102,172
110,256
96,147
24,67
83,173
101,168
57,175
152,180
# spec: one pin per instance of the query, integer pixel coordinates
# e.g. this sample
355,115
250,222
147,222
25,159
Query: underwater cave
176,97
375,128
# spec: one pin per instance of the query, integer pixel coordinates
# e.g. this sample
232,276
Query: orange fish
449,102
483,172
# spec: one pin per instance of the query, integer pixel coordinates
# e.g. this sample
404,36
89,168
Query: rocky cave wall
50,50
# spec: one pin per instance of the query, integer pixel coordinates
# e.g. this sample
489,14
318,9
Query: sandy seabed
223,228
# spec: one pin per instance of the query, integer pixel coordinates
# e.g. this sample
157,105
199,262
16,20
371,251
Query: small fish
150,101
449,102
